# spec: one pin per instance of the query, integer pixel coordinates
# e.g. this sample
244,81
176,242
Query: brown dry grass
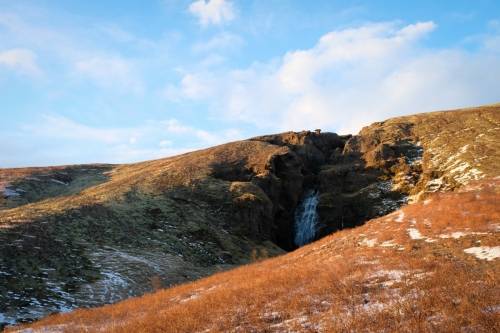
350,281
155,177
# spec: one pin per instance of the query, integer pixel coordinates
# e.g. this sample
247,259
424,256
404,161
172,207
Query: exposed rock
254,210
403,159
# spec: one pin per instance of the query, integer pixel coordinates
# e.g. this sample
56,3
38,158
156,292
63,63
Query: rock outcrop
404,159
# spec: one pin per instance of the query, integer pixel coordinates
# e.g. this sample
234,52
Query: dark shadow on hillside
98,254
232,171
31,185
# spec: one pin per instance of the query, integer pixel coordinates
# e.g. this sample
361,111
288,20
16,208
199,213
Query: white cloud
205,138
54,126
60,127
174,126
21,60
212,11
192,86
335,50
87,53
355,76
57,136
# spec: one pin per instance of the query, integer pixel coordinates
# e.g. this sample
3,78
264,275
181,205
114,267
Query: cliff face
88,235
403,160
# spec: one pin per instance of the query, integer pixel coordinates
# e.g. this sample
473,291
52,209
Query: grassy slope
37,184
153,224
404,272
151,177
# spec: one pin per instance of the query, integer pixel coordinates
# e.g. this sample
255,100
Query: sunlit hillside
431,266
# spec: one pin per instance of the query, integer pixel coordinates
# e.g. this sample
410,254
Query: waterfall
306,218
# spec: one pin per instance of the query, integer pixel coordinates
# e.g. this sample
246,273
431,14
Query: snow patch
9,193
190,298
374,307
471,174
391,277
393,274
6,320
460,168
400,217
113,279
58,181
368,242
389,243
460,234
365,261
415,234
302,320
463,149
488,253
434,185
495,227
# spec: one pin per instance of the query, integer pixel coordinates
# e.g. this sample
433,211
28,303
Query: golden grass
338,284
153,177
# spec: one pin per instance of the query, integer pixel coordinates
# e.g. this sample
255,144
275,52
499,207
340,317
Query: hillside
431,266
88,235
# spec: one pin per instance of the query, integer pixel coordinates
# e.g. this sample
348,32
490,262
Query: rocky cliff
87,235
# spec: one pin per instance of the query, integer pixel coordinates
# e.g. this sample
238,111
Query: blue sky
124,81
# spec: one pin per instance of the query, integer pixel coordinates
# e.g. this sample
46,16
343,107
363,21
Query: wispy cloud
174,126
74,54
192,86
21,60
55,126
212,11
148,140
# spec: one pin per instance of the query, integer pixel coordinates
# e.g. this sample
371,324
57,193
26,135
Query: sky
122,81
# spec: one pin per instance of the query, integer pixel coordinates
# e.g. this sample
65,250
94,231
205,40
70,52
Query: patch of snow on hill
393,275
368,242
9,192
58,181
488,253
400,217
389,243
460,234
415,234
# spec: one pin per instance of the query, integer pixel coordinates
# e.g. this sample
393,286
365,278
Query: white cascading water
306,218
